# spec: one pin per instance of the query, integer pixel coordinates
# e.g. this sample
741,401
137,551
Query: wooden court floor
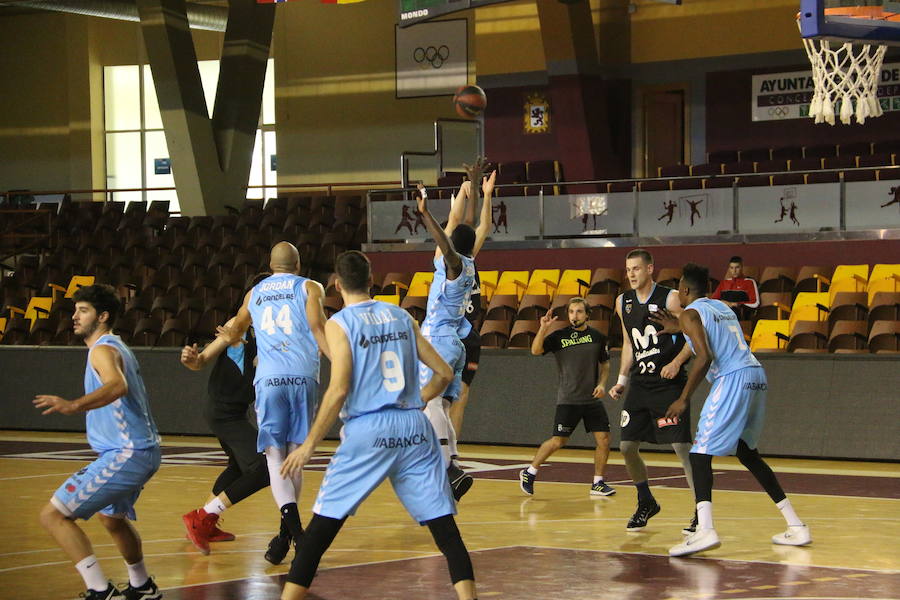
561,543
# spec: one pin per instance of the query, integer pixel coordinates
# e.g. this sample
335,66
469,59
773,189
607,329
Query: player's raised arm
332,402
537,344
627,359
451,257
315,315
196,360
107,362
233,333
484,223
442,373
693,328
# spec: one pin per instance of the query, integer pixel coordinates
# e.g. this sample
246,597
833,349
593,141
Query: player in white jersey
375,350
121,430
732,417
287,316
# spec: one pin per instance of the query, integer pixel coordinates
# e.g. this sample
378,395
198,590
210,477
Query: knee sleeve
449,542
754,463
282,489
701,467
319,535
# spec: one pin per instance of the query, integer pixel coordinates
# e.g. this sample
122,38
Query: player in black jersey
654,364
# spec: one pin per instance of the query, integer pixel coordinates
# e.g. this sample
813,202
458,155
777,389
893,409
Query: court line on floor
34,476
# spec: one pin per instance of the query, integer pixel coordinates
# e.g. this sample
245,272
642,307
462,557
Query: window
137,156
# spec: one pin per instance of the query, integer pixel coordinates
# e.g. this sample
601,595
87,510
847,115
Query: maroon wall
729,124
713,255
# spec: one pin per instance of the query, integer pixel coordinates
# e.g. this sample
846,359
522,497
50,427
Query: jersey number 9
392,371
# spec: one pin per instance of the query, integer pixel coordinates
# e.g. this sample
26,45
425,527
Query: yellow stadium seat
389,298
543,281
512,283
808,306
884,278
770,335
568,283
77,281
2,327
488,283
849,278
38,308
420,283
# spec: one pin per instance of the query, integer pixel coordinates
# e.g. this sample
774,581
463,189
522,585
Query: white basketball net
847,74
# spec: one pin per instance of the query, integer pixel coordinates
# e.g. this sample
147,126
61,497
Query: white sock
282,489
451,432
704,515
137,574
92,573
215,506
532,470
598,479
438,418
787,511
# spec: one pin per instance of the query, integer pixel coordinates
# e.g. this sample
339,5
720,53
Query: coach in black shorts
582,359
654,366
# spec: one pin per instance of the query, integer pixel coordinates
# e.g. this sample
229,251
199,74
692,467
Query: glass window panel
270,174
209,77
123,164
156,150
152,118
256,168
121,96
268,99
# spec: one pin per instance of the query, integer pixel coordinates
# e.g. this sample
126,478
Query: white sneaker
699,541
797,535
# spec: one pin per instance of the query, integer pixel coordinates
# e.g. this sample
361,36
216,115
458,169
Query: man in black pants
653,362
230,393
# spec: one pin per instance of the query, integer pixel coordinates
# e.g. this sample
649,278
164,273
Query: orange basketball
470,101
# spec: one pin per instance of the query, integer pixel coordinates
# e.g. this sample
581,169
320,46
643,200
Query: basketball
470,101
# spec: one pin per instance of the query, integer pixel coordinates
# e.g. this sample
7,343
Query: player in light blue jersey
445,324
121,430
732,417
287,316
375,350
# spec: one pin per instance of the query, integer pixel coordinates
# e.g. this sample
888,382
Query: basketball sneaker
797,535
110,593
643,514
278,548
148,591
218,535
601,489
692,527
199,525
699,541
526,481
460,481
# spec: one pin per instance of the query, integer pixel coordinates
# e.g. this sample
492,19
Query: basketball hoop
846,72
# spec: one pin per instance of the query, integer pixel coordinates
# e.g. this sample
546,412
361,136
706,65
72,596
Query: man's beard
577,324
86,332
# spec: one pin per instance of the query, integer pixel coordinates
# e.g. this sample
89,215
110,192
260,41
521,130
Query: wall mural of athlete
669,208
694,204
500,220
895,192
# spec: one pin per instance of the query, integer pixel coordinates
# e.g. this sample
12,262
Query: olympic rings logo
779,111
431,55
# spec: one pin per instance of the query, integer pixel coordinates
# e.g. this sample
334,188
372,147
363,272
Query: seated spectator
735,290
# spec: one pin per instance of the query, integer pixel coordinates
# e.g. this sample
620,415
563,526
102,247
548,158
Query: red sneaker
217,535
200,525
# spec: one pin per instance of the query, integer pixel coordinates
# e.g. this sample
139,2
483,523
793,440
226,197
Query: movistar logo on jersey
565,343
645,343
415,439
393,336
717,317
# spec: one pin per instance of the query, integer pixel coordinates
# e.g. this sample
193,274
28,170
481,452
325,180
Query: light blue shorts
110,485
734,410
394,444
285,406
452,350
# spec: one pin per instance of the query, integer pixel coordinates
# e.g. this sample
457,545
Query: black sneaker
110,593
526,481
148,591
278,548
640,517
460,481
692,527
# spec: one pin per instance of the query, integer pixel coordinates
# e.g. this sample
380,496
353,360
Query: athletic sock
704,515
214,506
788,513
92,573
598,479
532,470
644,494
137,574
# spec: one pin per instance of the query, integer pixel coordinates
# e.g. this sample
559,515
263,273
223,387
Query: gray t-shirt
577,355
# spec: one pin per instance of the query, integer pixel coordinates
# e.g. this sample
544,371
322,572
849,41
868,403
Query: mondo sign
779,96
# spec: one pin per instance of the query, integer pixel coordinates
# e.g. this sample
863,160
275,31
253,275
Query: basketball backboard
876,21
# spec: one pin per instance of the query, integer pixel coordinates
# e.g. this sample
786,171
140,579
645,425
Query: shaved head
284,258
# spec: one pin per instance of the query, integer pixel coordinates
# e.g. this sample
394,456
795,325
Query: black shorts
472,343
644,411
568,416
